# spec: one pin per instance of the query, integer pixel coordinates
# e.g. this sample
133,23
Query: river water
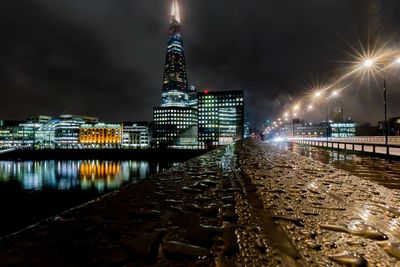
34,190
381,171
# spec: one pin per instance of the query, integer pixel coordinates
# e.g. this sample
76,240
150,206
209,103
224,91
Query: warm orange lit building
101,134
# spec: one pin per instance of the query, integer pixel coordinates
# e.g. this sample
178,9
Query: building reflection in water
74,174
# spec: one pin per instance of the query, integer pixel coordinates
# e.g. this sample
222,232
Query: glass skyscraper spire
175,86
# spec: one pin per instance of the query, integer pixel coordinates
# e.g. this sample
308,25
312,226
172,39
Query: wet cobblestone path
381,171
248,204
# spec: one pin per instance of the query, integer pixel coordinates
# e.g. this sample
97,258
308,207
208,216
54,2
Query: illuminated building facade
170,123
343,129
221,117
193,101
9,136
136,135
173,121
61,132
70,132
175,85
305,129
101,135
17,134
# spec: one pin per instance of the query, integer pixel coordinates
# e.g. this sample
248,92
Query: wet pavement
248,204
381,171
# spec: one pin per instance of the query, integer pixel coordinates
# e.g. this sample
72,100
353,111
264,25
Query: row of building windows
215,100
219,105
173,111
175,123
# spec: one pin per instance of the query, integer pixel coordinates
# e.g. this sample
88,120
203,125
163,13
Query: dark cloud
105,58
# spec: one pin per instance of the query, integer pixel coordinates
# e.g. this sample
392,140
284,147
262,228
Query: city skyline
105,59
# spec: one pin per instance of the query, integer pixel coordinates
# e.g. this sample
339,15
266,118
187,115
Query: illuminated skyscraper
175,122
175,86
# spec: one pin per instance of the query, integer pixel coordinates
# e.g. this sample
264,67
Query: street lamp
369,63
318,95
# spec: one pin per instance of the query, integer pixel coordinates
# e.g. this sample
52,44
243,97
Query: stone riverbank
248,204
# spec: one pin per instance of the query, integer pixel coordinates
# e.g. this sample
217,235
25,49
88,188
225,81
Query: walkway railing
367,146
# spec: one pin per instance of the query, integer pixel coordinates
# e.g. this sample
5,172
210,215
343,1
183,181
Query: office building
18,133
62,131
136,135
101,135
193,101
343,129
221,117
170,123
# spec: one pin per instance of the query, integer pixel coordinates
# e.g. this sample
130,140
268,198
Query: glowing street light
310,107
318,94
335,93
369,63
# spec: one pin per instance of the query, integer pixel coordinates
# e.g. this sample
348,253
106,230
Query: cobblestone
248,204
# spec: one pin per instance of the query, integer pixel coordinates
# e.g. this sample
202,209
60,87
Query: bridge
250,203
374,145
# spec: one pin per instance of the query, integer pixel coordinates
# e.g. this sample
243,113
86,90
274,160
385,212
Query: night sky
105,58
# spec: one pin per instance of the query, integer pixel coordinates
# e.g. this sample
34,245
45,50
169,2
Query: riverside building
62,132
100,135
136,135
221,117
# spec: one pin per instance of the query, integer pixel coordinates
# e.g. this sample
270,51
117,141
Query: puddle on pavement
383,172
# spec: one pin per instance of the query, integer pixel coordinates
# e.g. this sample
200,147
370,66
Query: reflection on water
34,190
67,175
384,172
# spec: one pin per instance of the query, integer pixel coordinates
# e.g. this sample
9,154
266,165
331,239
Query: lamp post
385,105
294,120
318,95
370,63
